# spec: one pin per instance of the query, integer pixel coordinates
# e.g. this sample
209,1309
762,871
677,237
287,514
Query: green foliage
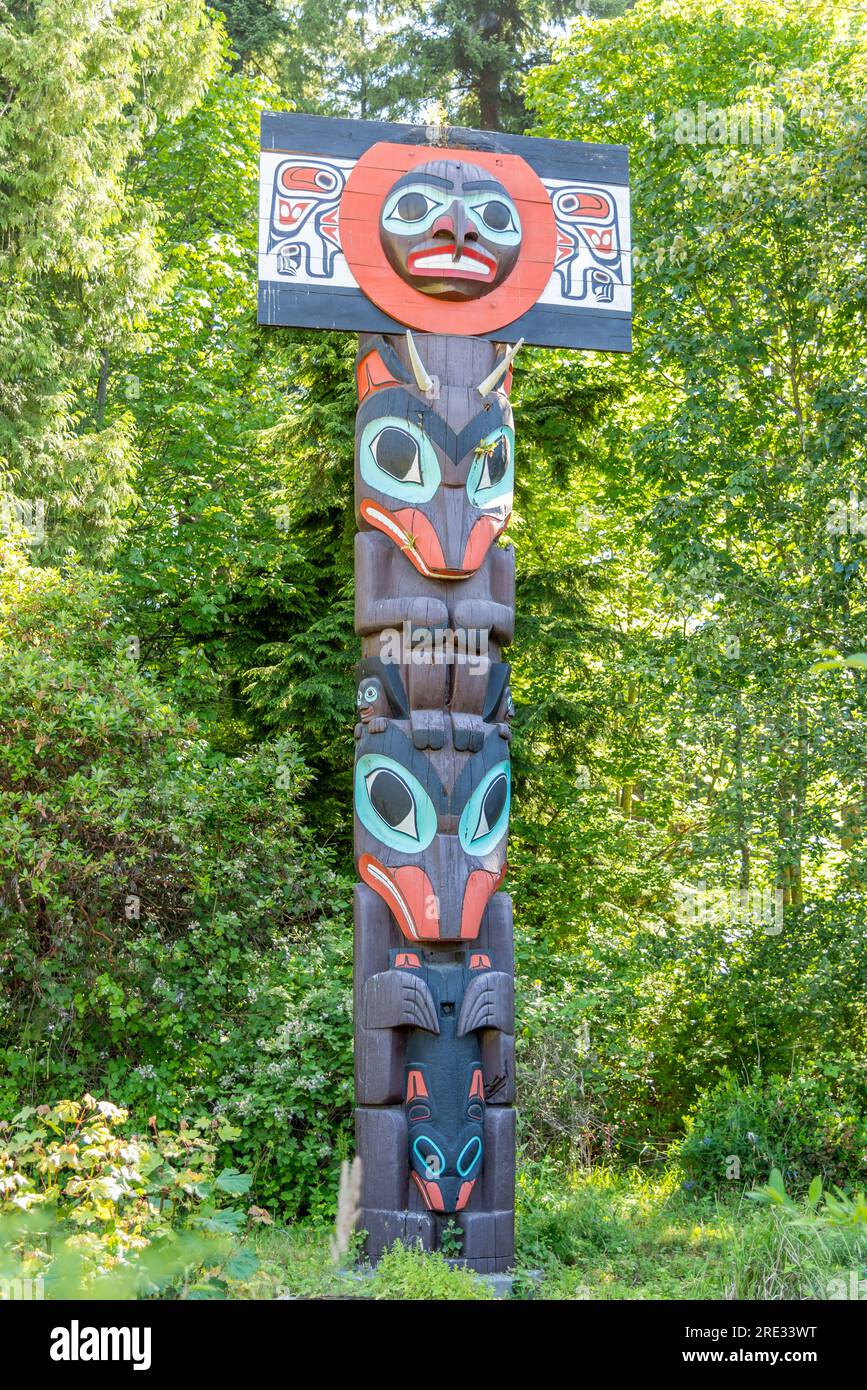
95,1213
687,665
406,1273
625,1235
819,1208
81,89
171,928
737,1133
800,1252
451,1240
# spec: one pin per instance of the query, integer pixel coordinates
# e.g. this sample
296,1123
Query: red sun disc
371,179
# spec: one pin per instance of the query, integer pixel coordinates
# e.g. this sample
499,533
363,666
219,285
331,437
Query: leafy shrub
814,1248
171,932
95,1213
808,1125
564,1221
408,1272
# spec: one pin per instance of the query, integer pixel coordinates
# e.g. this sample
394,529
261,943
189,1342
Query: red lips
411,530
443,262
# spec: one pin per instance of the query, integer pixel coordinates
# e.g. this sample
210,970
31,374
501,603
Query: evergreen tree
82,86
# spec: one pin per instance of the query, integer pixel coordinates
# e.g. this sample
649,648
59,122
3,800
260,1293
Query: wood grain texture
302,306
434,952
566,159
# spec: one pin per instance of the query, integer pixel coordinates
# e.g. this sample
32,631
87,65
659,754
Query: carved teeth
429,384
485,387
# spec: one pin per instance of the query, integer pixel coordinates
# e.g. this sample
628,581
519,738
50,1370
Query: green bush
408,1272
171,932
91,1212
811,1125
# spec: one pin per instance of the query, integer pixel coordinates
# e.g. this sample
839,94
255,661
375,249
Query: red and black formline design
434,988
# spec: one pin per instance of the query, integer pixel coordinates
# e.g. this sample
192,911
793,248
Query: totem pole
444,250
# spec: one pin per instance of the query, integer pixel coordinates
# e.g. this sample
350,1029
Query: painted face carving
450,230
434,853
445,1098
415,476
370,699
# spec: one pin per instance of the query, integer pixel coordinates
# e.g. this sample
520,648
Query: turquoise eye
398,459
469,1156
411,209
429,1156
492,472
485,818
496,217
393,804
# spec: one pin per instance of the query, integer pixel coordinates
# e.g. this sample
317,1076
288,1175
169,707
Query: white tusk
485,387
426,383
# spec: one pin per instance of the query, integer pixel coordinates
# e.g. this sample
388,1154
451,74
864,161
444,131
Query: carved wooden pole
434,1012
364,226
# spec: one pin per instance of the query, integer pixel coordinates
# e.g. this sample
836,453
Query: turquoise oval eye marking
469,1156
397,458
413,208
495,216
485,818
393,805
492,472
433,1163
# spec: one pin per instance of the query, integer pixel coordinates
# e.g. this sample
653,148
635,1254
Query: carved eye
367,695
392,799
491,478
429,1156
497,216
469,1156
492,806
412,207
397,454
396,458
494,464
485,817
393,804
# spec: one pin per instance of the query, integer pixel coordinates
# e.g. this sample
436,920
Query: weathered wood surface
434,958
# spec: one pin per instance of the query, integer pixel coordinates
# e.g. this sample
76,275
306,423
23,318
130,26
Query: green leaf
230,1180
242,1265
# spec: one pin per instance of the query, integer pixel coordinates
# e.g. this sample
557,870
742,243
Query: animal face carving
446,1141
443,496
371,700
431,831
450,230
445,1098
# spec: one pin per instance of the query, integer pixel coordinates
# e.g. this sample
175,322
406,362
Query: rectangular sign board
370,226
